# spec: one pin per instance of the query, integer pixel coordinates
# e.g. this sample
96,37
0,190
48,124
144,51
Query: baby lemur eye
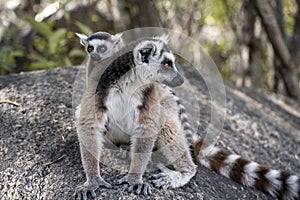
90,49
102,49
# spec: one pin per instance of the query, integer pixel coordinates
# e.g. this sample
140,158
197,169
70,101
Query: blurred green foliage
289,11
49,46
46,47
8,58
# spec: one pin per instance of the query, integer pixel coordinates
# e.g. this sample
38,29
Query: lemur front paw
136,184
90,187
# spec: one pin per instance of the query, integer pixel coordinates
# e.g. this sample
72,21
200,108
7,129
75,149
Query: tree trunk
295,40
276,61
142,13
120,17
257,60
251,47
288,69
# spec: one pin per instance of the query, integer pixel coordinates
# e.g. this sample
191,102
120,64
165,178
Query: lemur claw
90,187
136,186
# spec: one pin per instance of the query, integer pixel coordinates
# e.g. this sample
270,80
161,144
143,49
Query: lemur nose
179,79
95,57
176,81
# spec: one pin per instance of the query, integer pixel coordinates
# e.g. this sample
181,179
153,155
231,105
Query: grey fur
152,107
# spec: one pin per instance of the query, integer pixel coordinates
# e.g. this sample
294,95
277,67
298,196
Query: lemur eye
167,63
102,49
90,49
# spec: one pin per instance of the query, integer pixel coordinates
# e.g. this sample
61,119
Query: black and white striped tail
188,130
281,185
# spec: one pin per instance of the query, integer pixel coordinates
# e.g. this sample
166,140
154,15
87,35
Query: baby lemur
128,93
99,45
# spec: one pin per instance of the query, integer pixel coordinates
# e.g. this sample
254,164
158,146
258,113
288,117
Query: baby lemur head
100,45
156,61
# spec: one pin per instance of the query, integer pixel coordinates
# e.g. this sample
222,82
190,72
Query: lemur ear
83,38
144,53
117,38
165,38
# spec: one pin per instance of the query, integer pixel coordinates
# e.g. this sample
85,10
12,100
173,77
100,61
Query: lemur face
157,59
100,45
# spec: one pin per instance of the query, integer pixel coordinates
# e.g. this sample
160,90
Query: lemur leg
176,150
90,160
141,149
184,171
90,135
142,142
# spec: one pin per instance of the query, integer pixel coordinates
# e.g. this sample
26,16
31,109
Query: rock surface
40,156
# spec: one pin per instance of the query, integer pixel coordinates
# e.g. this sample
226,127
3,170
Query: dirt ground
40,156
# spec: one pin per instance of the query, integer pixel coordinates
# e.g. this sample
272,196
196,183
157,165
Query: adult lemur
126,93
101,45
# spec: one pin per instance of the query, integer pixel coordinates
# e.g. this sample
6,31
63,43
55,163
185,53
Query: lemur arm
90,136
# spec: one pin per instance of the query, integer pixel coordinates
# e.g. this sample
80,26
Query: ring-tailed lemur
128,99
98,46
101,45
148,119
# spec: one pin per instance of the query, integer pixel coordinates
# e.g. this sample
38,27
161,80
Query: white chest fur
122,103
